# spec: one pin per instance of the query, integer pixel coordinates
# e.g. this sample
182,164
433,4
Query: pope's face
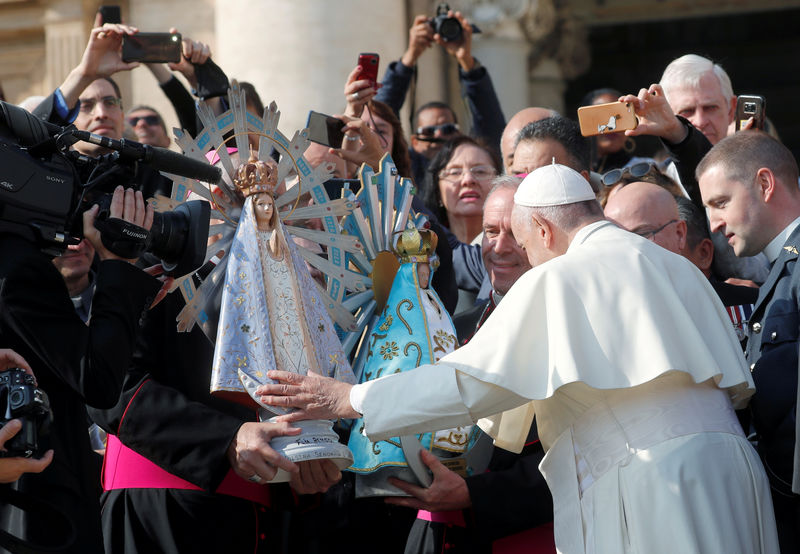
503,258
263,206
525,231
736,210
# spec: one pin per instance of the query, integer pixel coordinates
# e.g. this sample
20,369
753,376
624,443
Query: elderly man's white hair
687,70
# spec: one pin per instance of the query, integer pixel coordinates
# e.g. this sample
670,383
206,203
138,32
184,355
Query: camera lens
16,398
450,29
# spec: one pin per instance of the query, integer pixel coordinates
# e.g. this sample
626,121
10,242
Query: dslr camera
446,27
21,399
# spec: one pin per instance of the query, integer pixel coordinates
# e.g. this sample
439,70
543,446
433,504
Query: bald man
514,126
649,211
652,212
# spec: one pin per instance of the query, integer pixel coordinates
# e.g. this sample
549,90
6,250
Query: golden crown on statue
415,245
256,176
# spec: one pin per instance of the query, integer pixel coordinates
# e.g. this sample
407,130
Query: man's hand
460,49
366,148
12,468
448,491
125,204
315,476
9,359
314,396
250,454
420,38
101,58
193,53
655,115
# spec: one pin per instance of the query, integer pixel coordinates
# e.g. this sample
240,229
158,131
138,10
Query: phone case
748,106
369,68
606,118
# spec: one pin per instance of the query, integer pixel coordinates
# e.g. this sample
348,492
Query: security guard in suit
749,183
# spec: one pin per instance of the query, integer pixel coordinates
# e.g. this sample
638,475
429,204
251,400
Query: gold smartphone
601,119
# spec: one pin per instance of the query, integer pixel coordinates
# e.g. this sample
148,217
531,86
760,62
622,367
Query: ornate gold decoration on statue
416,245
256,176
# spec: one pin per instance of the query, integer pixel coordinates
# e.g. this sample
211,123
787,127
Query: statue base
316,441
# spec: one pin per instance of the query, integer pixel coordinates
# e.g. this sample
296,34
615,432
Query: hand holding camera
655,115
28,406
127,206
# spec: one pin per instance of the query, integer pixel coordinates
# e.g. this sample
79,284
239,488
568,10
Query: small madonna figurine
413,329
273,316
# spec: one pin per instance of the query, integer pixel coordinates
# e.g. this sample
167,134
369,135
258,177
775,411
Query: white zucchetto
553,185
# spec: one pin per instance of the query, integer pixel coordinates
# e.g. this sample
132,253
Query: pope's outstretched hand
312,396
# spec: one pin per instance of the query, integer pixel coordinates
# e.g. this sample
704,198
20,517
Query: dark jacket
75,365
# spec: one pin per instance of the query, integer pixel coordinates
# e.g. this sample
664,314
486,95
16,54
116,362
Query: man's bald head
650,211
514,126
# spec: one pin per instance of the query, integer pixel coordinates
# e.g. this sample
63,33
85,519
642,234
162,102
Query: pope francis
626,357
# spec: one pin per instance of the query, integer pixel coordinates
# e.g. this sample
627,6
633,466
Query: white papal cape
632,368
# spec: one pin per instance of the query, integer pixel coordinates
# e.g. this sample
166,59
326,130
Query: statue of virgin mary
273,316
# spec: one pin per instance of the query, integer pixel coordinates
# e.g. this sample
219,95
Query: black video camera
45,187
21,399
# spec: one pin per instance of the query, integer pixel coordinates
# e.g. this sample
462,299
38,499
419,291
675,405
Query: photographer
12,468
75,365
435,122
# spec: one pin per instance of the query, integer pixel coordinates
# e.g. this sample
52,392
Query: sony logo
54,179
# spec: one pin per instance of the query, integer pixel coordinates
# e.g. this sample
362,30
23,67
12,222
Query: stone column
300,53
65,40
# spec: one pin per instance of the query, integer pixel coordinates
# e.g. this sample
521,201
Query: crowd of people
640,383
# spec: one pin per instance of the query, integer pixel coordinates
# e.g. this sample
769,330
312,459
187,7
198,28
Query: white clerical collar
584,232
773,249
496,297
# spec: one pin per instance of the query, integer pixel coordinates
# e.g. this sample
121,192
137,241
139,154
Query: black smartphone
324,129
748,106
152,48
110,14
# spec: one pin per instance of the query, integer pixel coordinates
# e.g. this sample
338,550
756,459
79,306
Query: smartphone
110,14
369,68
324,129
151,48
748,106
601,119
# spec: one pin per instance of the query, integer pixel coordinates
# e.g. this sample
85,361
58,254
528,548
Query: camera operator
12,468
75,364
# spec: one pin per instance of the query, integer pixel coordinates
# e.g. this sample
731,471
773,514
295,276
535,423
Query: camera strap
122,238
42,511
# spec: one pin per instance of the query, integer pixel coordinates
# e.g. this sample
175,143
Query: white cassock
632,368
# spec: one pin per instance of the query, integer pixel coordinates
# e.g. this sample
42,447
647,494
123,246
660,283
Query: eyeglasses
444,129
614,176
650,235
148,119
109,103
480,172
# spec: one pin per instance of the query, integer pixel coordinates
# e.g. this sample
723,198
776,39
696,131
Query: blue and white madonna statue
413,329
273,316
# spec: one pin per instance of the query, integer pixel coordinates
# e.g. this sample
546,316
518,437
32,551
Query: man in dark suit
749,183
